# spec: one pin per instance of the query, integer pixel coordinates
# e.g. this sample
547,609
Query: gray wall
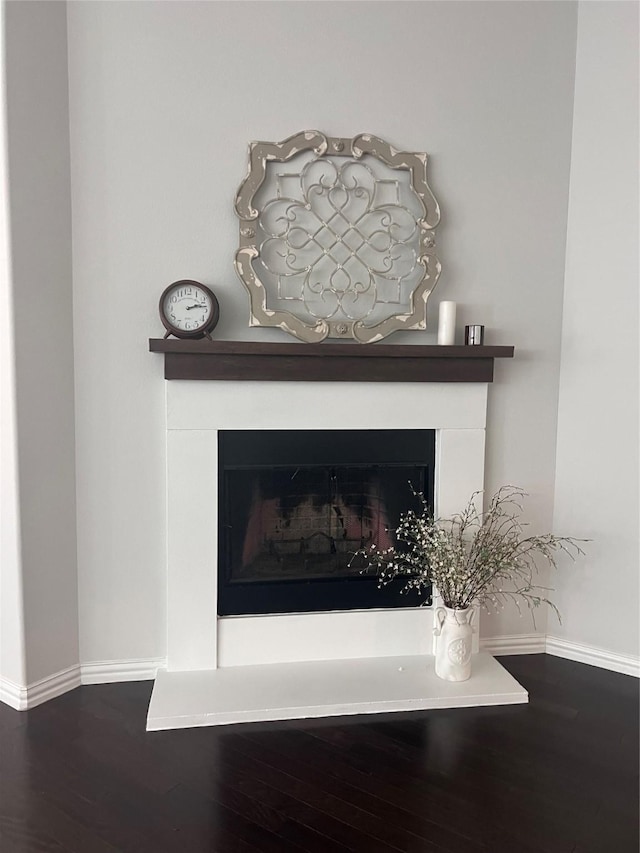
597,460
162,103
40,249
12,654
163,100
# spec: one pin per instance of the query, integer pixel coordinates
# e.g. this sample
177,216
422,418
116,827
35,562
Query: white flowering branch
473,557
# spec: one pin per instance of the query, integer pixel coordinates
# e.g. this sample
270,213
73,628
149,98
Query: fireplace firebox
295,506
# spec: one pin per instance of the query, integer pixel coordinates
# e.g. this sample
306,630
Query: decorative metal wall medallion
338,243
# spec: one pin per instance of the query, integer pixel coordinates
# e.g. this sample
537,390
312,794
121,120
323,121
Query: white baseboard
97,672
533,644
561,648
23,698
109,671
514,644
13,695
145,669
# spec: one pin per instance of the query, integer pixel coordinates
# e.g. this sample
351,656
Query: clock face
188,308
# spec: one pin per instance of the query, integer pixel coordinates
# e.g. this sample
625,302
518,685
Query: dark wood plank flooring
560,775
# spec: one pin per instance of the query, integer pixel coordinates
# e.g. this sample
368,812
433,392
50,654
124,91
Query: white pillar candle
447,323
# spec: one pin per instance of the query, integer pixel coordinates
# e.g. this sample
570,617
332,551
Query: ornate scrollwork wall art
340,242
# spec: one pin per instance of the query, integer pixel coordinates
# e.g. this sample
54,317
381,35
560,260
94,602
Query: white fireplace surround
196,411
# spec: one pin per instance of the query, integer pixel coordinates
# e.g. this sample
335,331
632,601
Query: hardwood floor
559,775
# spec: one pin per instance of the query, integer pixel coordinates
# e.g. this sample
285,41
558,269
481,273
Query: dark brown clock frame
204,331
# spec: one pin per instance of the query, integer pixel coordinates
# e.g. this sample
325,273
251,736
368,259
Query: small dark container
474,335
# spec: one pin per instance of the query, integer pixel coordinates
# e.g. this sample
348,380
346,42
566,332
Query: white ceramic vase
453,631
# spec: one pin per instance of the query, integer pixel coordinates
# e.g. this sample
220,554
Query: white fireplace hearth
245,668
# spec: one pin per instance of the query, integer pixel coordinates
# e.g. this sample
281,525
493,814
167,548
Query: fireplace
198,412
234,668
296,505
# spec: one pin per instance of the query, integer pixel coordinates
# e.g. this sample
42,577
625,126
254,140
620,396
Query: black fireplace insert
296,505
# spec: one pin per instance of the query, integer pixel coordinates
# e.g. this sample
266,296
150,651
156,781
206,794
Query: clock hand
198,305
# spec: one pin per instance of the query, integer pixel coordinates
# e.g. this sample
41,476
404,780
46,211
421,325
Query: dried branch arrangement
473,557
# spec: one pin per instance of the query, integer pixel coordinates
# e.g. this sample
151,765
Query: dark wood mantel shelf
246,360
